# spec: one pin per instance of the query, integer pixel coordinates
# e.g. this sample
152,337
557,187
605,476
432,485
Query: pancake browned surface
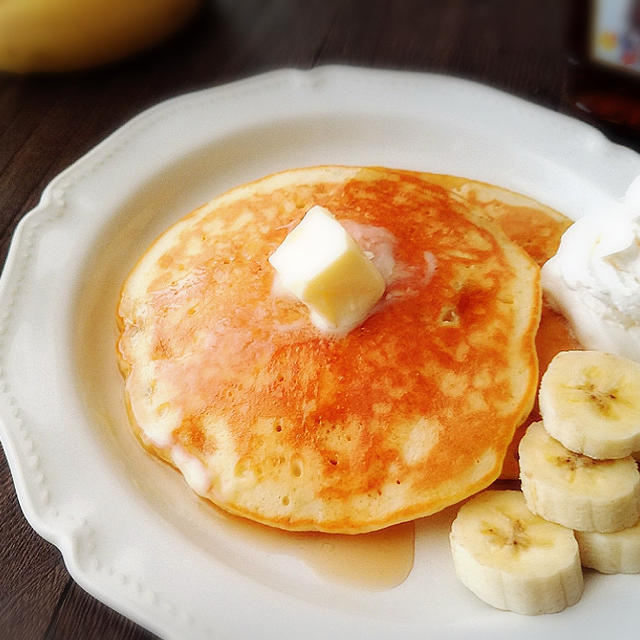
407,414
538,230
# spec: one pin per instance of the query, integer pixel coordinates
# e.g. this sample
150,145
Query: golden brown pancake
538,230
530,224
270,419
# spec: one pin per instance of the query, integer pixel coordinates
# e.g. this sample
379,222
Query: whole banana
67,35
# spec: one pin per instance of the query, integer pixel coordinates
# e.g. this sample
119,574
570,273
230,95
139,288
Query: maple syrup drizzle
378,560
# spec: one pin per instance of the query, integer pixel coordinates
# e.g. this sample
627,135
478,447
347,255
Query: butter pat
323,266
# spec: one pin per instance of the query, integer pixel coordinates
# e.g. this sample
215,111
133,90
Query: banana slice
617,552
513,559
590,402
574,490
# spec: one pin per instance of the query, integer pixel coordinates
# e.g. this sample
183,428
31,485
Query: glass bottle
604,81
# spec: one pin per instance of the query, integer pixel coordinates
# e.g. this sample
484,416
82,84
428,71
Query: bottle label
615,34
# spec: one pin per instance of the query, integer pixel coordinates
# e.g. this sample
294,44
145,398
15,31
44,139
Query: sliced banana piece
574,490
513,559
617,552
590,402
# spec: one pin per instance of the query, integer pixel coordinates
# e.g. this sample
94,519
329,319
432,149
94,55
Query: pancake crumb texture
269,419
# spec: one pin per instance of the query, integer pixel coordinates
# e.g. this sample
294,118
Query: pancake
269,419
538,230
532,225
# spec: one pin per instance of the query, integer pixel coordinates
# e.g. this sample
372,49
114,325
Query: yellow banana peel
68,35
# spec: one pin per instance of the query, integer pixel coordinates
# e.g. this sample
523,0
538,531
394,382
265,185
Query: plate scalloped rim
67,517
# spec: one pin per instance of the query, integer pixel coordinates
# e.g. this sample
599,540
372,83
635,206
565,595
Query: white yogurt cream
594,279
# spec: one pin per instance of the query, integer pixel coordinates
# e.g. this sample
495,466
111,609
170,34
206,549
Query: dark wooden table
47,122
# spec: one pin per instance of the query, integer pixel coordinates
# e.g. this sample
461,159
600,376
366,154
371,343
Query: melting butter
324,267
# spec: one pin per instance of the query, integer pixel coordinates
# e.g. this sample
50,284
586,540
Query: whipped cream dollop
594,279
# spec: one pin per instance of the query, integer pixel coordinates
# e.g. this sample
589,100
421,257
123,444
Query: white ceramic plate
130,532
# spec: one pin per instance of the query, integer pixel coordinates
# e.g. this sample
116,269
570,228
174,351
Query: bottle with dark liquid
604,83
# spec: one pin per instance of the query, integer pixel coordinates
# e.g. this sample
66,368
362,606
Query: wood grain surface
48,121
